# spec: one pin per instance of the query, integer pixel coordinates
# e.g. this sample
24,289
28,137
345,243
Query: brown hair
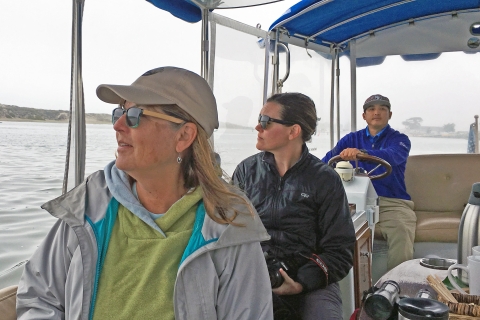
200,168
297,108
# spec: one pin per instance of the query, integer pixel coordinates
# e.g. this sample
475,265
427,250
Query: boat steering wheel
368,158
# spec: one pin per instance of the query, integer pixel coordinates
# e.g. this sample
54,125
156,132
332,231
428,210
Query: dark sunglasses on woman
264,121
134,113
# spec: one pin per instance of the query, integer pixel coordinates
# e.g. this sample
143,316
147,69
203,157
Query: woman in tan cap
156,234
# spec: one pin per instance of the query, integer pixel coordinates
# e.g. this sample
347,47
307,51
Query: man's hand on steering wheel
289,286
350,154
361,156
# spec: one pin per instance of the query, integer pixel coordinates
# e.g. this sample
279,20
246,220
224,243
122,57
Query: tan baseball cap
168,85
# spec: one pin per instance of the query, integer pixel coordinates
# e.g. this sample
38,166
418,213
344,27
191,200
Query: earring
179,160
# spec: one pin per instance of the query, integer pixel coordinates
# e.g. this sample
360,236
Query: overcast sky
124,38
121,40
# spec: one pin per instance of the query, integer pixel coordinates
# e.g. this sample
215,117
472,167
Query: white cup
473,270
476,251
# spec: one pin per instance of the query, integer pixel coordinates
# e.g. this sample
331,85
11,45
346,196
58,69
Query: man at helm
397,218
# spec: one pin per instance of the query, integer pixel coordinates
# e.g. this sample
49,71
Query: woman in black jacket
303,205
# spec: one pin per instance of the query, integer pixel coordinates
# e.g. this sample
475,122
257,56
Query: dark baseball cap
376,99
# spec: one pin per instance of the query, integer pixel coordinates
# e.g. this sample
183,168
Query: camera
289,265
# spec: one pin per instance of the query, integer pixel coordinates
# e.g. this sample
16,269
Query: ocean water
32,161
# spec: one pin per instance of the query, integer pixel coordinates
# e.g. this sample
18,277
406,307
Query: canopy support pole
213,45
275,63
205,47
337,74
353,85
332,99
475,131
76,126
266,69
204,44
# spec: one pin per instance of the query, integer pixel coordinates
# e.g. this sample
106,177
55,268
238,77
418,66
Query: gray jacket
225,278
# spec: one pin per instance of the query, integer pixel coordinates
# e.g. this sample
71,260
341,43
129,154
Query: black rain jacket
304,211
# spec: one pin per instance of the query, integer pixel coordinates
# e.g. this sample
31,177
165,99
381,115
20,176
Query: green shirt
140,268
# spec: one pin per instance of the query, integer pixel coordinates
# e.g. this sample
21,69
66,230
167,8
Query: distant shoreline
88,121
21,114
458,135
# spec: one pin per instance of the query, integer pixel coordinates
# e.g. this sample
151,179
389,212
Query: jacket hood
117,182
98,189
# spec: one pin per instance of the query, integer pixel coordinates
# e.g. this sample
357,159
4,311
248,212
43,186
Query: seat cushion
8,301
441,182
437,226
434,227
440,186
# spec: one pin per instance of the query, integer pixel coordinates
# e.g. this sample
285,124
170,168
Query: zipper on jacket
275,201
280,185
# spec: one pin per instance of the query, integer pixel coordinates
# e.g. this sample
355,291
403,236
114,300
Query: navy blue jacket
392,146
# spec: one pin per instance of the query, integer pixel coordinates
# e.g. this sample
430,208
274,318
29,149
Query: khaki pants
397,225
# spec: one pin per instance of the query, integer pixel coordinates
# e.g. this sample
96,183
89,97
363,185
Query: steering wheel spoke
374,169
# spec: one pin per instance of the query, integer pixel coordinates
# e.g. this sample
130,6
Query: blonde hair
200,168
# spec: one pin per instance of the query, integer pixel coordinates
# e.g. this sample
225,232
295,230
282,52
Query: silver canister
469,229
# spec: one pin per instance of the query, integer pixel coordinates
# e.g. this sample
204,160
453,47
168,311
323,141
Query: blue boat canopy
182,9
386,27
190,10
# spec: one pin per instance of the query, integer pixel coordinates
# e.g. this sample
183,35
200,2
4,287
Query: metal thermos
469,230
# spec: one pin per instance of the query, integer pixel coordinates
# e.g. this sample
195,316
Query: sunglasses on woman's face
264,121
134,113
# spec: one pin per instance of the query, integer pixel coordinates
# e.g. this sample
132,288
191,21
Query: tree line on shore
413,126
15,113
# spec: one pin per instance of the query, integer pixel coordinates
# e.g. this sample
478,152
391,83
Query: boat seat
8,299
440,186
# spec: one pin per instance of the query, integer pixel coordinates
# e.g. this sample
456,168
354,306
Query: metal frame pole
353,85
337,89
266,69
475,131
204,44
332,98
76,127
213,44
275,63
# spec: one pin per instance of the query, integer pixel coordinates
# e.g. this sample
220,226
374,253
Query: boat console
363,201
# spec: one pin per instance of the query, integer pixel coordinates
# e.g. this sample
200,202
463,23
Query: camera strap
319,262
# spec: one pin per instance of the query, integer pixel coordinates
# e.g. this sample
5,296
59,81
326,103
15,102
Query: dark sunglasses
134,113
264,121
